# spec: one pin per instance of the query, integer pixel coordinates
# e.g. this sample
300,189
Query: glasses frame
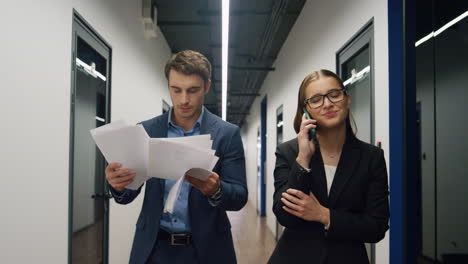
306,101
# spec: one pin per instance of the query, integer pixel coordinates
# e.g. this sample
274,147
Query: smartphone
312,131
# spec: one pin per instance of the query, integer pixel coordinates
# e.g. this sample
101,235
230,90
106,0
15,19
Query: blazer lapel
158,130
349,160
209,124
319,182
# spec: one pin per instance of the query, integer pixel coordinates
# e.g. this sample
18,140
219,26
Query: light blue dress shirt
179,220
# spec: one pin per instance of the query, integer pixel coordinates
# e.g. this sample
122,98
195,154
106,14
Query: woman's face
329,115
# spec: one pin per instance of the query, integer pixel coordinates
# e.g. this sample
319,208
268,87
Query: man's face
187,93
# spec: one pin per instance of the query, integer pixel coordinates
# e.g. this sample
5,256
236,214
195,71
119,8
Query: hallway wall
138,86
322,28
35,103
35,106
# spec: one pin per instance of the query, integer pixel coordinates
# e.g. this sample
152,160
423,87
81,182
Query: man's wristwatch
217,194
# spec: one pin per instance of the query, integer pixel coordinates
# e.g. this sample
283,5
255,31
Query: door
259,168
441,92
355,66
88,199
262,138
279,140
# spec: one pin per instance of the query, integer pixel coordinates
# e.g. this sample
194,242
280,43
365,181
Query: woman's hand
306,146
305,206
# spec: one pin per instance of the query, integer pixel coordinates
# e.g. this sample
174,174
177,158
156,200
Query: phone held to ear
312,131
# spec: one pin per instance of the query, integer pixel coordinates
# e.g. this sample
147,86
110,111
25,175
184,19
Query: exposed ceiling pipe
278,12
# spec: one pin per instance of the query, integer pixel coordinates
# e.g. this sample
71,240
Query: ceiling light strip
358,76
442,29
225,45
90,69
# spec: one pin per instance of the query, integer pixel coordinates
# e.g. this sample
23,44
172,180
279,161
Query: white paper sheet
170,160
202,141
165,158
127,145
199,173
109,127
173,195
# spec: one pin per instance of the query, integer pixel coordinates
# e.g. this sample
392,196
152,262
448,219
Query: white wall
138,84
249,138
322,28
35,86
35,107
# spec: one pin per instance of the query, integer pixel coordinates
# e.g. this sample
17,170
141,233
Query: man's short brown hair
189,62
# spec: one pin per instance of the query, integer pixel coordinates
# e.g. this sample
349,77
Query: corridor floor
253,241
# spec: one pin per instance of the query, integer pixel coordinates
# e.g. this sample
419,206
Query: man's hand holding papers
134,157
208,187
119,178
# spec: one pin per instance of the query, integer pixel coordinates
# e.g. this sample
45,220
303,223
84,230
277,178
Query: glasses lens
315,101
336,95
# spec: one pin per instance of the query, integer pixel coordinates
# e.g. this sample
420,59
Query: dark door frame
361,39
279,111
98,40
403,132
263,124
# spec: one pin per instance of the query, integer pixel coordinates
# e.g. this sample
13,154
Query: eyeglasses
334,96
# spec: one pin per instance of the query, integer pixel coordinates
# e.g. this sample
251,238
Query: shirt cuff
215,199
117,196
306,169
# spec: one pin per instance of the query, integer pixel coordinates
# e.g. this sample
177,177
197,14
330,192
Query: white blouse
330,173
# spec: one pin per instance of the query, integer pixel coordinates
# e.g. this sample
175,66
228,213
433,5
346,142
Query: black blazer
358,204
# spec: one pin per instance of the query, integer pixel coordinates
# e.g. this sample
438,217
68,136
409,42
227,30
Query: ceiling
257,31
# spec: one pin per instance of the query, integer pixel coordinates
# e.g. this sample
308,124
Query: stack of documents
165,158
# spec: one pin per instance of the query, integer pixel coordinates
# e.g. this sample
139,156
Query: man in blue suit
198,231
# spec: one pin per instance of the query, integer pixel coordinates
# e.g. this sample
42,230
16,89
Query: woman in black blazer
331,193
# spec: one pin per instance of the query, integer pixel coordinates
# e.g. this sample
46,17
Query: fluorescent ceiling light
356,77
224,52
451,23
442,29
100,119
421,41
90,70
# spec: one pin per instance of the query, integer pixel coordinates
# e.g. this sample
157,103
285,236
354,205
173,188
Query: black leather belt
175,239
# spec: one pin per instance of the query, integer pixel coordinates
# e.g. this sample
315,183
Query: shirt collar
199,120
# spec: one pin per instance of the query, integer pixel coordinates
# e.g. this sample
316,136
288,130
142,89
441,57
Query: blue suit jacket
211,229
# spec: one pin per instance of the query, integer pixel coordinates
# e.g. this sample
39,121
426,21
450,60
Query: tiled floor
253,241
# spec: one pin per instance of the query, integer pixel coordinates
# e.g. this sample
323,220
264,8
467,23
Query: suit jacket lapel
161,127
209,124
349,160
319,182
159,130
